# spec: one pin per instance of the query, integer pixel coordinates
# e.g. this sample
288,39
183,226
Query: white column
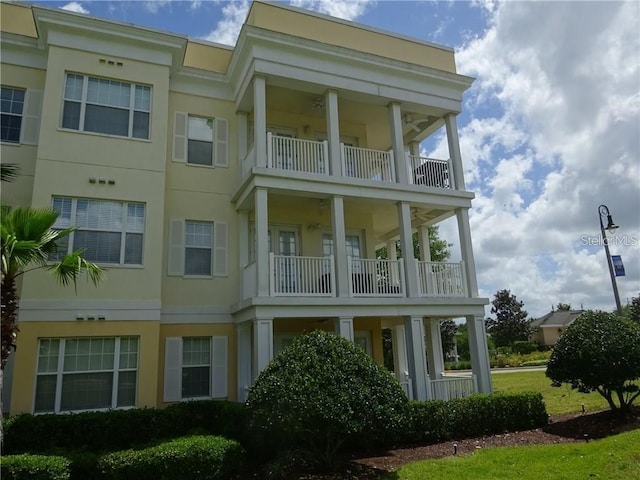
333,132
434,349
417,359
479,353
425,248
392,254
242,119
244,360
466,249
262,241
406,244
414,149
397,143
400,363
260,120
343,326
454,150
339,246
243,247
262,344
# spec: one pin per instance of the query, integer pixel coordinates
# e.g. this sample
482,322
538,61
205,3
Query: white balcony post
262,241
454,150
397,142
343,326
339,246
333,131
260,120
244,360
479,353
434,349
414,152
399,341
262,344
332,270
273,278
452,183
406,244
463,270
243,127
466,249
243,247
425,246
270,163
324,162
416,356
392,167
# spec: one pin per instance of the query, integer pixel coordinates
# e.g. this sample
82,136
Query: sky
549,131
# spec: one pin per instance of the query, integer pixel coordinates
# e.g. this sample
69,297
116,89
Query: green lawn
616,457
557,399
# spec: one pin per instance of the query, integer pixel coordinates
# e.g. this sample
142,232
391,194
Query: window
12,105
106,106
110,232
197,249
200,140
198,246
195,367
86,373
352,245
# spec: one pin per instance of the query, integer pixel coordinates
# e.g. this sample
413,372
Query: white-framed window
197,248
111,107
198,259
353,245
88,373
195,368
200,140
110,232
12,105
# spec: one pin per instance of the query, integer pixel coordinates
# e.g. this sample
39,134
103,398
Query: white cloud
345,9
233,16
154,6
75,7
564,78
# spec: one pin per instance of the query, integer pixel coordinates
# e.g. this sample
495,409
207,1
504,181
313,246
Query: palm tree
8,172
29,242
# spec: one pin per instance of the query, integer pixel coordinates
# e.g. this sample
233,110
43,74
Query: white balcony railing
286,153
430,172
367,164
301,276
448,388
438,279
375,278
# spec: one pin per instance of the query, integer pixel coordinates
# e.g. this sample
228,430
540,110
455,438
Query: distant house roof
557,318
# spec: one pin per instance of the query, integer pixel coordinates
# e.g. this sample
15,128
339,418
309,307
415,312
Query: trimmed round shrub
34,467
320,392
186,458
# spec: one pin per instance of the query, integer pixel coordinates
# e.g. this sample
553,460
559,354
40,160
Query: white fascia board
193,81
69,310
22,51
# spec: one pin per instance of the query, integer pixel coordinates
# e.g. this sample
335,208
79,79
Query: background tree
448,331
632,310
511,322
563,306
29,242
599,352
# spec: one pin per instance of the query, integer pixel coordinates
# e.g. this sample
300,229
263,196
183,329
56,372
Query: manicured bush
121,429
473,416
459,365
186,458
523,347
320,392
34,467
535,363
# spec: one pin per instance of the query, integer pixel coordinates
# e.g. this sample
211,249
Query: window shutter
180,137
220,241
222,143
31,117
176,247
219,372
172,369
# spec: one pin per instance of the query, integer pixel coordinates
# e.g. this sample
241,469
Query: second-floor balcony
306,276
309,156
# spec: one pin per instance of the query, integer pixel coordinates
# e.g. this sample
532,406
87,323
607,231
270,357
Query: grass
616,457
558,400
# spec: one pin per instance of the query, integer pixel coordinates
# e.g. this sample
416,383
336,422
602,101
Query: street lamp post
603,211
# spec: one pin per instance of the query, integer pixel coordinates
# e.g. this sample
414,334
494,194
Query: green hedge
34,467
473,416
201,457
121,429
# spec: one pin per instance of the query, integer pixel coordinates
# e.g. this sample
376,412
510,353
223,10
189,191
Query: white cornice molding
22,51
83,310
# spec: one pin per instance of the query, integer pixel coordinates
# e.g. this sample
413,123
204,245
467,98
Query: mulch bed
561,429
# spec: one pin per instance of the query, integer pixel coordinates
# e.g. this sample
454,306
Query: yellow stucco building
236,197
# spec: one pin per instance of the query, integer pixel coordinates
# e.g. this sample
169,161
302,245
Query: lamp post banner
618,266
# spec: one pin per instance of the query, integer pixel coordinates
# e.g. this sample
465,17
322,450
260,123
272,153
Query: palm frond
9,172
72,265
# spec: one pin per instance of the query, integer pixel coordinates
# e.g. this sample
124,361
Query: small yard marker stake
586,437
583,408
455,448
